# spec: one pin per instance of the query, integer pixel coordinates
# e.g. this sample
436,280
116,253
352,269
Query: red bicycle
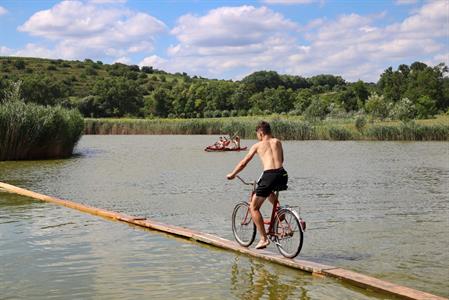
285,227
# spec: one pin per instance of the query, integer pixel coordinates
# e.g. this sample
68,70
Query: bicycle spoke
288,234
242,225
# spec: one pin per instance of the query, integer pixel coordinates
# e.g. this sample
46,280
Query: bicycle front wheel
288,233
243,227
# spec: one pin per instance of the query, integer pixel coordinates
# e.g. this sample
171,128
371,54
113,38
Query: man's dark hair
264,127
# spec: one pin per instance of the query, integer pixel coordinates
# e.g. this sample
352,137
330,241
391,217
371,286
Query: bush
425,107
31,131
225,113
403,110
90,71
317,110
19,64
377,106
360,123
339,134
208,114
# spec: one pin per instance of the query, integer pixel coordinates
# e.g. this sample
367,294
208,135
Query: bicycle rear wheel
288,233
243,227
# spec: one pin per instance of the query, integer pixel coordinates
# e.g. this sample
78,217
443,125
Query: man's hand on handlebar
230,176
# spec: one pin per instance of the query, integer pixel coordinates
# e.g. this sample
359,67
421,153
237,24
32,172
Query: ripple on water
378,208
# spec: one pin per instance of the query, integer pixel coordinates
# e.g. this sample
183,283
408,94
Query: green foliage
147,70
118,97
31,131
360,123
43,90
339,134
416,82
162,102
52,82
403,110
19,64
274,100
348,100
259,81
409,131
286,128
377,106
90,71
317,110
302,100
326,81
425,107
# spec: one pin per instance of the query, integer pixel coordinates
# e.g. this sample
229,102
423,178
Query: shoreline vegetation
43,103
284,127
30,131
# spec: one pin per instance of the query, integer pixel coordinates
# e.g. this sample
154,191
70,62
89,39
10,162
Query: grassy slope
71,71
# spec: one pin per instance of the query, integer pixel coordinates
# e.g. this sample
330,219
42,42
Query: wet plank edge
352,277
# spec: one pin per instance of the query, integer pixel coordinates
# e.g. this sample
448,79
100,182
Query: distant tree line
118,90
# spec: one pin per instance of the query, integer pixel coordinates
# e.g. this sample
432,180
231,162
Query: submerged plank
365,281
307,266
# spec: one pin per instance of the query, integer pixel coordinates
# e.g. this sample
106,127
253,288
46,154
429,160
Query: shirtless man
272,157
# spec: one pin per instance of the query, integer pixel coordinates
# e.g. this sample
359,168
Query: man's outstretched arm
242,164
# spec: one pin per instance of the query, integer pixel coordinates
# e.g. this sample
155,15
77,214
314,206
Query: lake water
379,208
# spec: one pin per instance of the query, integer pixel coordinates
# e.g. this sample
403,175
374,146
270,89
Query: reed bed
30,131
284,128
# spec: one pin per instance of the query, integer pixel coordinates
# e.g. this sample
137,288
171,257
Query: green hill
119,90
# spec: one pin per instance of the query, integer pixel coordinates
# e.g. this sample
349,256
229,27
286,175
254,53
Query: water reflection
372,207
255,281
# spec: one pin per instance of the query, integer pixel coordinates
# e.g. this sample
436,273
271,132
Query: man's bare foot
262,244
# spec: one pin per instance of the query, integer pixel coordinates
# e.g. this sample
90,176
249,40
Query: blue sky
230,39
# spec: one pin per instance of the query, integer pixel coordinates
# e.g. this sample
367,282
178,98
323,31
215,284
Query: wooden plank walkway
354,278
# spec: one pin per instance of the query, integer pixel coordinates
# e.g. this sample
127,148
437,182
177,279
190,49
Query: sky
356,39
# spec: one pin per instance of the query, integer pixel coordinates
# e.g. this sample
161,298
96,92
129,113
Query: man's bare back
269,150
270,153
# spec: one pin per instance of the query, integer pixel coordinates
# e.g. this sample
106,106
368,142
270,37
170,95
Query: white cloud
33,50
82,29
5,51
441,58
239,40
355,48
3,10
227,38
288,2
123,60
230,26
153,61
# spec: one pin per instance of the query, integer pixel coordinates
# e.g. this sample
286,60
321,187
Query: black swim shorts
271,180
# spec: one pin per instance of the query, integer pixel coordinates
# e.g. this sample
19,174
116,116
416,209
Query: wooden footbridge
354,278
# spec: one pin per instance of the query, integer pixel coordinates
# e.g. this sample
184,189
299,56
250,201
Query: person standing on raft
272,157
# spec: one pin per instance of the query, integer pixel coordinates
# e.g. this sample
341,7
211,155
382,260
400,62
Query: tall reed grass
30,131
284,128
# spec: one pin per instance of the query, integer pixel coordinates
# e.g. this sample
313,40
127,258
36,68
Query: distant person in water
272,156
220,143
236,142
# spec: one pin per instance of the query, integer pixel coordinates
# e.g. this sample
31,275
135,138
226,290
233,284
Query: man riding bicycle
274,175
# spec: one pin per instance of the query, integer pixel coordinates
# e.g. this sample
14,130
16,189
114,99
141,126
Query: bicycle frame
274,211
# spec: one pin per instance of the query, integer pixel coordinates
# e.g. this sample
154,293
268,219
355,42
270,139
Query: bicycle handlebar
244,182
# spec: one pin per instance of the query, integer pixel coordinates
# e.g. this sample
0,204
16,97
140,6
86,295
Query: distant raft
214,148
